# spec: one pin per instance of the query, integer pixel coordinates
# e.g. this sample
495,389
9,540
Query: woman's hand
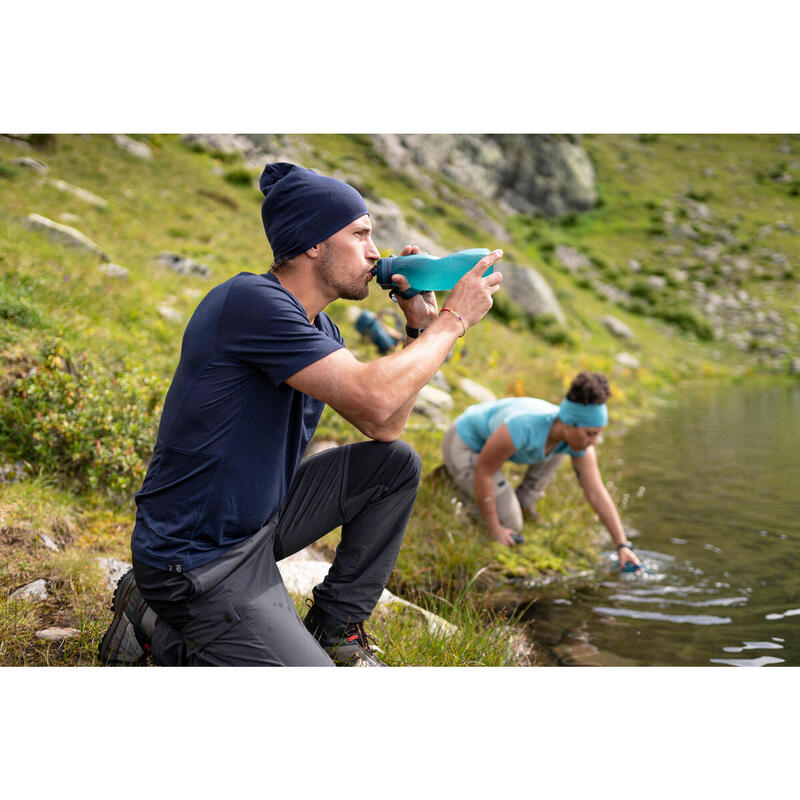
626,556
503,535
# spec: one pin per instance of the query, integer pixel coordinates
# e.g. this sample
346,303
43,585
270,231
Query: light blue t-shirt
528,419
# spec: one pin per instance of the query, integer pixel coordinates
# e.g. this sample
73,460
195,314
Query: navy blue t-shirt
232,432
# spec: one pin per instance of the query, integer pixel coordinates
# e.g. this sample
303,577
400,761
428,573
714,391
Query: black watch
413,333
625,544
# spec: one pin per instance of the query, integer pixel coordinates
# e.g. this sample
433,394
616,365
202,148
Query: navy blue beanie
302,208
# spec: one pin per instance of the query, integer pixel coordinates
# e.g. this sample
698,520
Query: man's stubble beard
354,290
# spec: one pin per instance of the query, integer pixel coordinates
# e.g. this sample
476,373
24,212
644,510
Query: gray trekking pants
460,462
236,610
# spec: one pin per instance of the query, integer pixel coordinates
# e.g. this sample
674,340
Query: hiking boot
125,641
348,645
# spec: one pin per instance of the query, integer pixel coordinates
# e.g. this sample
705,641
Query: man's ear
314,252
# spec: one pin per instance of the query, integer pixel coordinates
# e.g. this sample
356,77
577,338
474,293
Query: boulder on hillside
617,327
391,232
114,270
474,390
182,265
64,234
132,146
31,163
530,291
81,194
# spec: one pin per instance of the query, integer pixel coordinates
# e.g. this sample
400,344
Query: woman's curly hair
589,387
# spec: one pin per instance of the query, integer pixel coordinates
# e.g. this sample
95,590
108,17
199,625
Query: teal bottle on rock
429,273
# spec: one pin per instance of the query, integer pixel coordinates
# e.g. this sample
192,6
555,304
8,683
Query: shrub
91,428
239,176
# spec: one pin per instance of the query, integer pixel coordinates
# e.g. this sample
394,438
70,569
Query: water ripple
747,662
719,601
692,619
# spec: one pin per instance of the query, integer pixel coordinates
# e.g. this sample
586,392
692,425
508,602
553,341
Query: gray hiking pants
236,610
460,462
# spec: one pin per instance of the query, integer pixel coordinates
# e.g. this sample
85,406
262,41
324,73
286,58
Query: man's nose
372,251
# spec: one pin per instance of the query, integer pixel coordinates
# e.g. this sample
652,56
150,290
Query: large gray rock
527,173
301,576
391,232
571,259
530,290
64,234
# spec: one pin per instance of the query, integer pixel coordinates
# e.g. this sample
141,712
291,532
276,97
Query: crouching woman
527,430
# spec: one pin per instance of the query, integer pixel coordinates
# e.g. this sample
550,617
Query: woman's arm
587,472
497,449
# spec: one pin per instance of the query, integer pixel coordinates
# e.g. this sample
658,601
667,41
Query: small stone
628,360
135,148
57,634
81,194
48,542
617,327
476,391
182,265
114,270
114,569
436,397
31,163
35,591
170,313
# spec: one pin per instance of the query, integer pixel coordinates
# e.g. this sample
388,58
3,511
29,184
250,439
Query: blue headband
592,415
302,208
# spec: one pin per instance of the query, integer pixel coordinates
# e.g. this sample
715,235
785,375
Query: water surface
713,489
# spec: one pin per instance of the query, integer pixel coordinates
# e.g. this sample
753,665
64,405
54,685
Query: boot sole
114,637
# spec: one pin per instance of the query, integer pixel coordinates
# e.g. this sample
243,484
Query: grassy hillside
85,357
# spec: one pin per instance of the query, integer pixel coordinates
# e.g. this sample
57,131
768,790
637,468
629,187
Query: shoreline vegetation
693,244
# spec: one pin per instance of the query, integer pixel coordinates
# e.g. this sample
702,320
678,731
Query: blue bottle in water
429,273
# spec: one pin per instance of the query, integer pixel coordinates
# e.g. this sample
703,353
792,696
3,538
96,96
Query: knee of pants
404,460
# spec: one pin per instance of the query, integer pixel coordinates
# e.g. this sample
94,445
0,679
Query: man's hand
472,295
421,309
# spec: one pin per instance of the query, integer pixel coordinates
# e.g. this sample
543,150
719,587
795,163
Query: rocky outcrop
132,146
530,291
525,173
617,327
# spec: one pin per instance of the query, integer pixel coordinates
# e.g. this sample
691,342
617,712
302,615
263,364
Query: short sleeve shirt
232,432
528,420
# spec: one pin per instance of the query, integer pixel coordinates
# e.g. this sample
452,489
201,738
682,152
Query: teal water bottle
428,273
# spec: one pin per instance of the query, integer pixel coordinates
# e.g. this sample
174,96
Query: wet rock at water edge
36,591
794,366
